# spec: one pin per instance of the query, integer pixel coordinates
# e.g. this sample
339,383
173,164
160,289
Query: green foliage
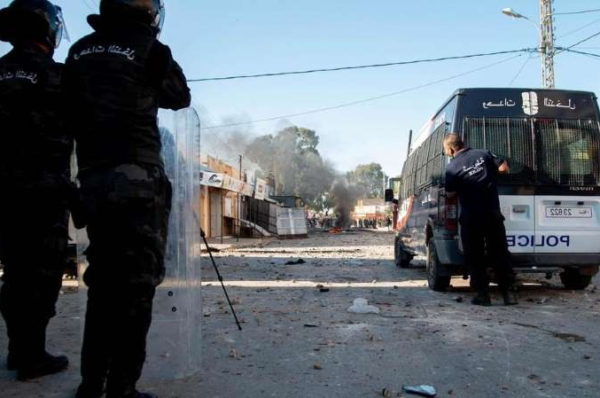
370,178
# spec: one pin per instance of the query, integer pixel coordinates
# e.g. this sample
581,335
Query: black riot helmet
36,20
150,11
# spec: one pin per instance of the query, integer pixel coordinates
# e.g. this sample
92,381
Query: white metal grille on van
540,151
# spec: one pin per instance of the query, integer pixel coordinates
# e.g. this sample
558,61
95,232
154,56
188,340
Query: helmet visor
159,18
61,28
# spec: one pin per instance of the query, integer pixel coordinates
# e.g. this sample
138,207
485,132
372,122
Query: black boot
90,390
11,361
482,299
138,394
135,394
45,365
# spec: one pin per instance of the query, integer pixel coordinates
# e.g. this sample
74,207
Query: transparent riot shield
174,339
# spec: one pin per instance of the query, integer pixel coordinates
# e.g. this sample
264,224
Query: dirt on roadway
299,340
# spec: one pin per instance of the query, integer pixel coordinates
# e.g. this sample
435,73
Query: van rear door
567,204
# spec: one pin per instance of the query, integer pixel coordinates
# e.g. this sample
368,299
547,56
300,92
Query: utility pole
239,200
547,43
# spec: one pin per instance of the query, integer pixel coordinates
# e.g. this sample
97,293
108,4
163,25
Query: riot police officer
472,174
35,181
115,80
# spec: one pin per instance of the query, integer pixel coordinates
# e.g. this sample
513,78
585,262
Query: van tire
572,279
435,281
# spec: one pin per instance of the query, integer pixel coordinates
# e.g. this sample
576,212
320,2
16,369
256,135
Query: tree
292,157
370,178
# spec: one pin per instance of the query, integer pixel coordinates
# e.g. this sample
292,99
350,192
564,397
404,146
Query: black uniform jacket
115,80
32,138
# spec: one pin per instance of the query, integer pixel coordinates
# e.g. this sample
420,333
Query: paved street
300,341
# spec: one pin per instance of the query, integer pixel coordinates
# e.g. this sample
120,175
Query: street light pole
546,32
547,43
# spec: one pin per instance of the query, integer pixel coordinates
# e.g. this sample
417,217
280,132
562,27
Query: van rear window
540,151
510,138
568,152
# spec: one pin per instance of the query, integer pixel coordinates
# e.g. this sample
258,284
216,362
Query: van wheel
401,258
573,280
434,279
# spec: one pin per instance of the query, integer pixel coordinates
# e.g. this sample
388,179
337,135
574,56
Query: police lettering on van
538,241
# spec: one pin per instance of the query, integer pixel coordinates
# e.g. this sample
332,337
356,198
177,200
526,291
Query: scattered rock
361,306
458,299
569,337
422,390
317,367
234,354
295,262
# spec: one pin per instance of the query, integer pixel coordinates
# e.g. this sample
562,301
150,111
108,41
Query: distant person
35,179
115,81
472,174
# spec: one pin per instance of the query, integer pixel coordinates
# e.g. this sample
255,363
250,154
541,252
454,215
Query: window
423,153
509,138
568,152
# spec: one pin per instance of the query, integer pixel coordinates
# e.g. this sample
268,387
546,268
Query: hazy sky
221,38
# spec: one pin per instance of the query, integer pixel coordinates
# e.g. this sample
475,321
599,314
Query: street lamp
546,32
512,13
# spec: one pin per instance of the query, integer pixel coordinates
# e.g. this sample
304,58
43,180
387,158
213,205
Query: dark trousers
33,243
484,245
127,213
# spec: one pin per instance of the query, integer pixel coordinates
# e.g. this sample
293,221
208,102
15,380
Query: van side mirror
389,195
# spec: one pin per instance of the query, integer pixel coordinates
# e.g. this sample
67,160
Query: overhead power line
382,65
529,58
578,12
581,41
595,21
362,101
581,52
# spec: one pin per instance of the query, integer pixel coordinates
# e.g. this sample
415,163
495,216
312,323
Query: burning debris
344,195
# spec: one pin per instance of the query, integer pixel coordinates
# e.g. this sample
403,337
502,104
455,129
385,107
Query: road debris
569,337
387,393
234,354
295,262
361,306
422,390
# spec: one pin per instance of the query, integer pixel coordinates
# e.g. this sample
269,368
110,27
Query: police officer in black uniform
115,80
34,176
473,175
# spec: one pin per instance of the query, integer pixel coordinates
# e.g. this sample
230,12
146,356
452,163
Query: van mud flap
448,254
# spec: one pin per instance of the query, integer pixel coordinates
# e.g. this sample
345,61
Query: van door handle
519,209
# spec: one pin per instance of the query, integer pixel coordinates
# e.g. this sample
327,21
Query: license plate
568,212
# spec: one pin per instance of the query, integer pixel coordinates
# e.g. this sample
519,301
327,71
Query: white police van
550,199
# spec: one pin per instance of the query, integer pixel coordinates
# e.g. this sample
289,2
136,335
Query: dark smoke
344,196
